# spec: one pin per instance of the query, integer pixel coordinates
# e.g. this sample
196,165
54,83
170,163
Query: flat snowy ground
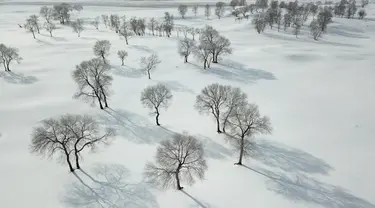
319,96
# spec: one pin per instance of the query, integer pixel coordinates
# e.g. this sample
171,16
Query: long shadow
107,188
199,203
134,127
142,48
126,71
213,149
304,189
345,31
61,39
176,86
288,159
235,71
18,78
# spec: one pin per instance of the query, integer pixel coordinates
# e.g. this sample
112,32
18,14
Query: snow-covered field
319,96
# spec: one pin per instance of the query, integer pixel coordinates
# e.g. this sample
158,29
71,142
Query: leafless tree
195,9
93,80
30,26
297,27
149,63
101,49
259,22
207,11
50,27
217,44
96,22
62,11
115,22
182,9
122,55
125,31
35,21
141,26
46,13
212,100
233,3
185,48
184,30
7,55
78,26
156,97
315,29
235,99
219,10
324,18
168,24
179,160
105,19
152,25
203,53
67,136
245,122
193,32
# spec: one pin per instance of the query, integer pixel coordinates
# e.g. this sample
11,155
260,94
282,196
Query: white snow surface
318,94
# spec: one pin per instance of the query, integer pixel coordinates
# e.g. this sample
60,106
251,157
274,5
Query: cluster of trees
211,46
349,8
219,10
7,55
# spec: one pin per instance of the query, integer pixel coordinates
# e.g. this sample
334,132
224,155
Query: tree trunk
218,125
77,161
50,33
186,59
33,34
205,64
241,152
7,66
37,29
149,75
126,40
68,159
105,98
122,62
157,117
178,178
100,103
103,58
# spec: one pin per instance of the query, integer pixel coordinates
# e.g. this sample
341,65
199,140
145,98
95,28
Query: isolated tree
278,19
217,44
182,9
101,49
93,80
68,136
168,24
30,27
50,27
235,99
115,22
35,20
149,63
96,22
62,11
361,13
195,9
125,31
245,122
185,48
152,25
7,55
219,10
234,3
203,53
105,19
122,55
78,26
212,100
207,11
177,161
46,13
156,97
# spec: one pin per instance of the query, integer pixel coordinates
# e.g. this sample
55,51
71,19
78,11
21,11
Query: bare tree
235,99
212,100
219,10
30,26
218,45
152,25
46,13
78,26
185,48
68,135
115,22
324,18
50,27
93,80
7,55
179,160
168,24
105,19
156,97
259,22
203,54
195,9
125,31
101,49
122,55
233,3
149,63
62,11
245,122
297,27
207,11
182,9
35,21
96,22
193,32
315,29
361,13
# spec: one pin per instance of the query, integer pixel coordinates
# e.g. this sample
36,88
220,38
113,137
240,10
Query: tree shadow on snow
108,187
134,127
17,78
198,202
299,187
176,86
288,159
126,71
346,31
214,150
235,71
142,48
60,39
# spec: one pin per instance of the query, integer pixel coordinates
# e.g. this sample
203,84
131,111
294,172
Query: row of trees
8,55
219,10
